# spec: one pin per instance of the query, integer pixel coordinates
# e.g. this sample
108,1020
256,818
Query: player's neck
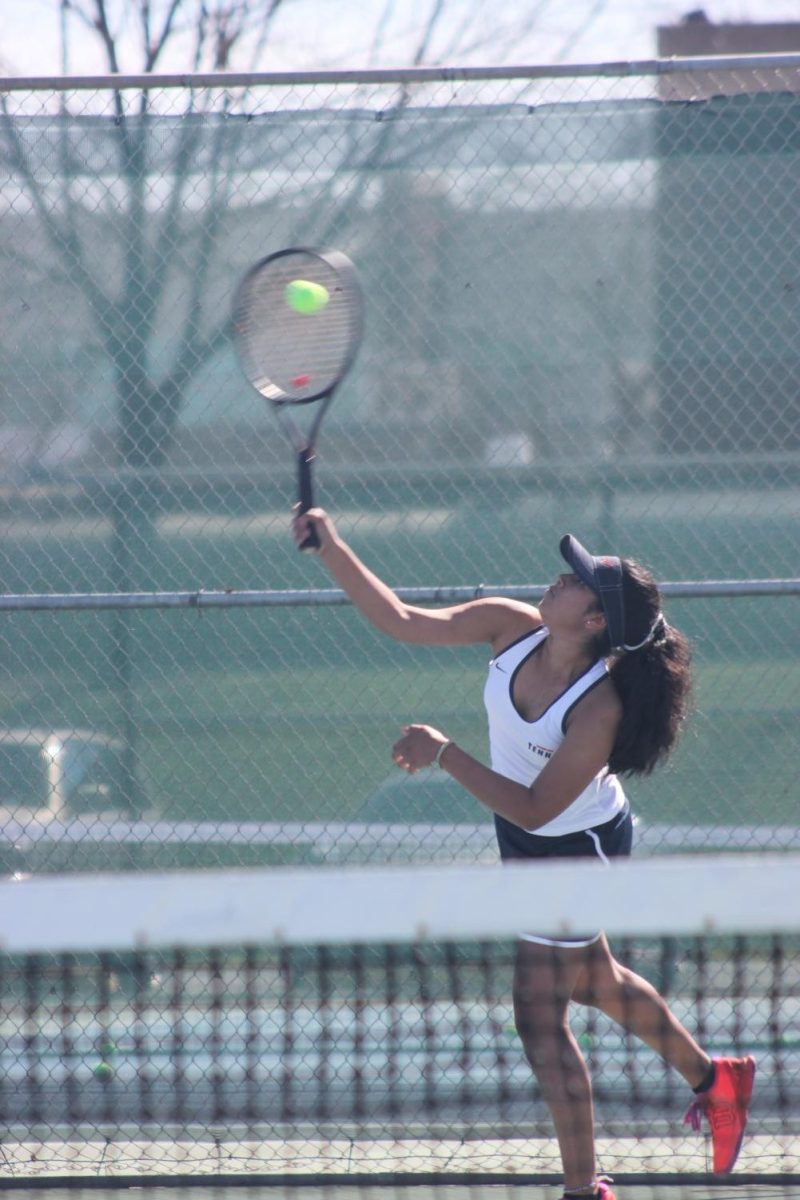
565,656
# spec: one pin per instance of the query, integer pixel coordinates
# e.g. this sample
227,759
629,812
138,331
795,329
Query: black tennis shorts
612,839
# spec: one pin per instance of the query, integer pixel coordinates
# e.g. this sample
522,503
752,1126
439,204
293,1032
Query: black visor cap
604,576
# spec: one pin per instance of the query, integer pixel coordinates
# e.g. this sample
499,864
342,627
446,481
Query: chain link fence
583,309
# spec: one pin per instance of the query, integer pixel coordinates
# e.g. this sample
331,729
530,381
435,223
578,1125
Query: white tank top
519,748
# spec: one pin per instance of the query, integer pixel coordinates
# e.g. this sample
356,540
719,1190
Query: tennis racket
297,322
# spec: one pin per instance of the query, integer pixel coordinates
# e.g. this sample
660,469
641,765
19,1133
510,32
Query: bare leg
544,979
635,1005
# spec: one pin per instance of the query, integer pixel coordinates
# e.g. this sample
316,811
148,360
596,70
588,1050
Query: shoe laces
694,1115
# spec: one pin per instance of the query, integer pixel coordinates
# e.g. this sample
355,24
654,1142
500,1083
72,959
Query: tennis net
357,1024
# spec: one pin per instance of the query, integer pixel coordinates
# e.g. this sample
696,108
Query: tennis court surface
352,1028
344,1191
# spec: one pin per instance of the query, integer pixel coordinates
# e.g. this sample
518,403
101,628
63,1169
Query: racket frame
305,443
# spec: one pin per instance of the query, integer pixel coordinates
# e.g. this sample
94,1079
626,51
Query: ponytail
654,686
651,675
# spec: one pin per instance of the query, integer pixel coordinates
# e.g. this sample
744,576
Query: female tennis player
591,685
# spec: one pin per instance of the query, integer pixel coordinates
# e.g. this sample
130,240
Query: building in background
727,269
698,37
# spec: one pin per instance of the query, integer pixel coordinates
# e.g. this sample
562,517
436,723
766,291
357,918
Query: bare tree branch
577,33
153,49
201,33
380,31
265,27
504,37
102,27
63,239
145,15
385,132
82,14
231,21
433,20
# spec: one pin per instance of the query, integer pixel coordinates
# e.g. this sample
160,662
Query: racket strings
289,356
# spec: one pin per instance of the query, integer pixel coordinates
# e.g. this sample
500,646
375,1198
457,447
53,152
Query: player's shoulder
601,701
514,620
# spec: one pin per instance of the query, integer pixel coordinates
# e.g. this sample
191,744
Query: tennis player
591,685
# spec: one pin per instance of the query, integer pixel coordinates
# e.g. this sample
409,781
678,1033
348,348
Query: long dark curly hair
653,682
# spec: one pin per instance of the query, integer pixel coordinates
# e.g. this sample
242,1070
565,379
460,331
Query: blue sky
318,34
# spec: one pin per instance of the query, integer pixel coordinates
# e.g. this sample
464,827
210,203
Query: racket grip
306,492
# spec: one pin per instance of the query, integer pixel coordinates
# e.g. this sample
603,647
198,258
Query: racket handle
306,491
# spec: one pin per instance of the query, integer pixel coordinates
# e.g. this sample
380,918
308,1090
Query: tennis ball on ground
306,297
104,1072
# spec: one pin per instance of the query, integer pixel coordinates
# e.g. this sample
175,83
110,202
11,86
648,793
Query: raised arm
493,620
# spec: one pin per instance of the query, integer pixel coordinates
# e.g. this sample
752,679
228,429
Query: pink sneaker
725,1108
604,1192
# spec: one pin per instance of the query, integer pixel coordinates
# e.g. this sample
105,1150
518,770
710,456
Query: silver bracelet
437,762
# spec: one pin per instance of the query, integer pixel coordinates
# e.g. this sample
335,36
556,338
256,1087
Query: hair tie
650,634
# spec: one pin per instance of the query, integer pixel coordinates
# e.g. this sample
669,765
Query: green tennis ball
104,1072
306,297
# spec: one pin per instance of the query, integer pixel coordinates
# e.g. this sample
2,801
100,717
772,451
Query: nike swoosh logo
497,667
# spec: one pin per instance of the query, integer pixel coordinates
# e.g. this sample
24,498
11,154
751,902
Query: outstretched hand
418,747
